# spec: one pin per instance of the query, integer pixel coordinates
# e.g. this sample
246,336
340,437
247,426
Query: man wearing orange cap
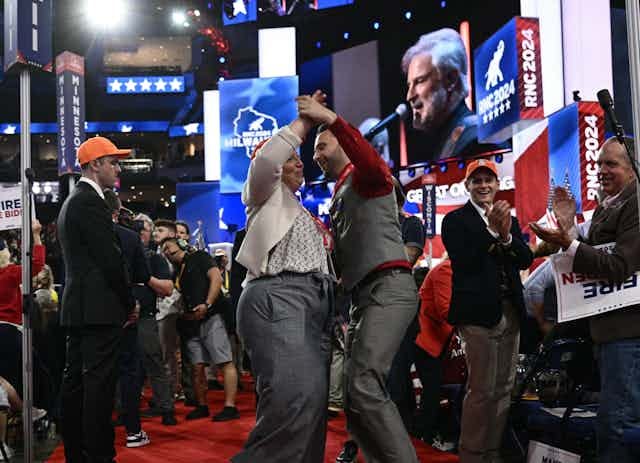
96,304
487,251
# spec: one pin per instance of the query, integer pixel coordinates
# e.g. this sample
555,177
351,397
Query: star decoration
490,114
507,104
116,86
239,7
260,88
175,85
501,108
190,129
496,112
161,85
131,85
484,119
145,85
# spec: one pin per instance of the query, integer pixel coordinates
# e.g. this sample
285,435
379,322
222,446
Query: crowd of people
331,318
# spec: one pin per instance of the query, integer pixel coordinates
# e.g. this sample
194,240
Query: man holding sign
616,332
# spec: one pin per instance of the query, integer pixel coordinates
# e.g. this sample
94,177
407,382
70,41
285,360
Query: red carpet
206,441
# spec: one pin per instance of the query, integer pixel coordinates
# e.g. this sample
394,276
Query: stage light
376,25
408,15
178,17
460,164
443,167
427,170
36,188
222,60
443,4
220,79
105,15
318,44
498,158
411,173
346,36
196,13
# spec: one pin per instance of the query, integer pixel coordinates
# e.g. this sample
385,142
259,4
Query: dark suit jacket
133,253
617,223
476,258
97,290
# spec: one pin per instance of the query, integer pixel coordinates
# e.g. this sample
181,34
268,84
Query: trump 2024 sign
508,80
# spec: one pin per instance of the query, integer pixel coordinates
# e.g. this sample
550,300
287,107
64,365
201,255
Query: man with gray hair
436,68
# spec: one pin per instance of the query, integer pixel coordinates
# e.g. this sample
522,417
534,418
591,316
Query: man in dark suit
486,249
616,333
95,306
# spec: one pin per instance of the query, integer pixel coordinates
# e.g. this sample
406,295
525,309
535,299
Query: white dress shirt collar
93,184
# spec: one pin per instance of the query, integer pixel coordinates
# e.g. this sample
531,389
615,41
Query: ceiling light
178,17
105,15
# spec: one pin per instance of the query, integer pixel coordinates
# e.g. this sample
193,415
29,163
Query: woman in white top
285,310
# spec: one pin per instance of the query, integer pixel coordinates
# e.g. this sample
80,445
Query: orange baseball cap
480,164
98,147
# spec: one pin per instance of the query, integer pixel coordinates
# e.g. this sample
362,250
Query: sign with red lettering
10,208
581,296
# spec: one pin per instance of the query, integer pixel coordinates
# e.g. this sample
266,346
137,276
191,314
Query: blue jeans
619,399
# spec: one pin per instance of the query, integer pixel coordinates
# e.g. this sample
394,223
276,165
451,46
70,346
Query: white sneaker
8,450
38,414
442,445
138,440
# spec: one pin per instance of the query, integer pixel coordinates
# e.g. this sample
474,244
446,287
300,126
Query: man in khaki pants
487,251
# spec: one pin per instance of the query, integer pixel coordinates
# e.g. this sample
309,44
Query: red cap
98,147
479,164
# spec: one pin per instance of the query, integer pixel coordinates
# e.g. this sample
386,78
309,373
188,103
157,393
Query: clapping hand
564,208
559,236
499,217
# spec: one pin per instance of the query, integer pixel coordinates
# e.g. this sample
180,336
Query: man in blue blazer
487,251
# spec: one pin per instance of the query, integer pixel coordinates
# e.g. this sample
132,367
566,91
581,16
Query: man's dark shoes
349,453
227,413
169,419
201,411
190,403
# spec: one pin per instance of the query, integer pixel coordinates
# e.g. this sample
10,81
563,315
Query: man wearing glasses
96,303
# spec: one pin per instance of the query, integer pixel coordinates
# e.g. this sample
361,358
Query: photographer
200,281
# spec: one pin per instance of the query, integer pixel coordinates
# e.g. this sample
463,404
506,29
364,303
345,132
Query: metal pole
25,167
633,37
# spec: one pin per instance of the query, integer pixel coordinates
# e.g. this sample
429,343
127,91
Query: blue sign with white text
496,81
251,110
28,29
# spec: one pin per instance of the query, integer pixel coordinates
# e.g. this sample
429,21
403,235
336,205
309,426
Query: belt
375,274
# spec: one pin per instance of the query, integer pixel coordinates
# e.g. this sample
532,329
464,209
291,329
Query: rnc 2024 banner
251,110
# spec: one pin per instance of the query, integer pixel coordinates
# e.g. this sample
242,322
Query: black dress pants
88,390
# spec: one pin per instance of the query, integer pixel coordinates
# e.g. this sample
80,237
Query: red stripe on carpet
206,441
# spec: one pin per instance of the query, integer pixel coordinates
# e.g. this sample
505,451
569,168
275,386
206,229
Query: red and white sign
10,208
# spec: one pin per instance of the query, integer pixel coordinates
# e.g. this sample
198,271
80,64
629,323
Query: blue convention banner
564,152
145,84
239,11
251,110
496,81
322,4
28,29
70,110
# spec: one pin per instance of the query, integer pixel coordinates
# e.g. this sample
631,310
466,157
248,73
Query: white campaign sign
579,296
543,453
10,208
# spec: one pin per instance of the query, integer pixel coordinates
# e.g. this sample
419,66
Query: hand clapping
499,217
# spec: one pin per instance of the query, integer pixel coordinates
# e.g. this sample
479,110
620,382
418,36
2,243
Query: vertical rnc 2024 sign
70,110
508,80
251,110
